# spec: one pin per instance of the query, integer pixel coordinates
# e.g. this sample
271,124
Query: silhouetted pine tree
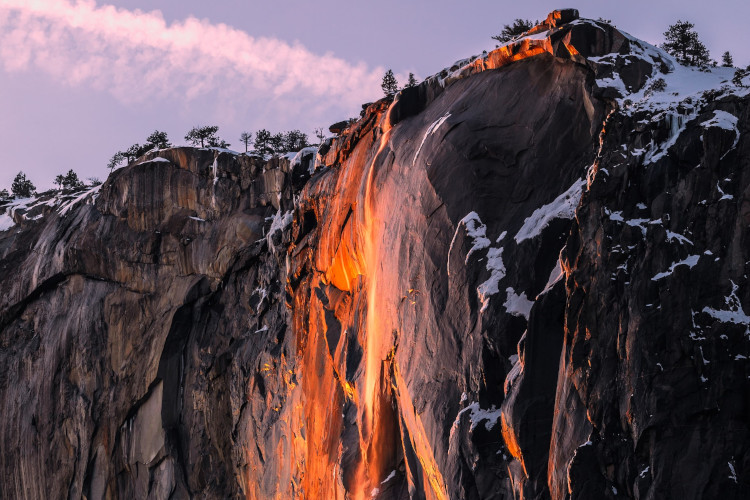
22,187
726,60
389,85
683,43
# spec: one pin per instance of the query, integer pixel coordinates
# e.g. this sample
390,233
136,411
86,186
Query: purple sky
79,81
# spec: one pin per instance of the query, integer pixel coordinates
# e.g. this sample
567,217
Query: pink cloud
137,56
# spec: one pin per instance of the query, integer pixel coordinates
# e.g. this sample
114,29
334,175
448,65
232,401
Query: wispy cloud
138,56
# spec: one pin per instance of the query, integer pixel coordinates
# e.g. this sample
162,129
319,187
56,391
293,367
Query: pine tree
412,82
261,144
71,180
683,43
246,138
203,136
158,140
389,85
134,152
277,143
216,142
59,180
22,187
726,60
295,140
511,31
4,196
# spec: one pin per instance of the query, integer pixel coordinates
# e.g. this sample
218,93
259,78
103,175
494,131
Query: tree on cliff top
205,136
22,187
159,140
276,143
295,140
389,85
261,144
69,180
246,138
116,159
726,60
136,151
412,82
510,31
685,46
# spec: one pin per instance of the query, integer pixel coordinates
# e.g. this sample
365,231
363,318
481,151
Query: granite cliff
524,278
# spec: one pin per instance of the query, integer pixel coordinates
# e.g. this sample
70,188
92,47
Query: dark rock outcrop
523,278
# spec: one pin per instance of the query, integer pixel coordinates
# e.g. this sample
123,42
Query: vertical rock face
523,278
133,327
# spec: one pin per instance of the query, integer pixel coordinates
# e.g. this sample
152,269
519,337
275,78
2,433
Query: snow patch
6,222
690,261
724,196
430,130
496,267
296,158
554,276
478,415
279,223
518,305
721,119
89,196
562,207
390,476
477,231
732,472
734,312
676,236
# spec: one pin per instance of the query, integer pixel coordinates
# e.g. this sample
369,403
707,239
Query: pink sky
81,80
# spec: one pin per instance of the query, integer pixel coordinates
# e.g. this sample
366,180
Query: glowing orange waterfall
375,432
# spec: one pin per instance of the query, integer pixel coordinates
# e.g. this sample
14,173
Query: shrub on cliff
22,187
511,31
739,76
116,159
